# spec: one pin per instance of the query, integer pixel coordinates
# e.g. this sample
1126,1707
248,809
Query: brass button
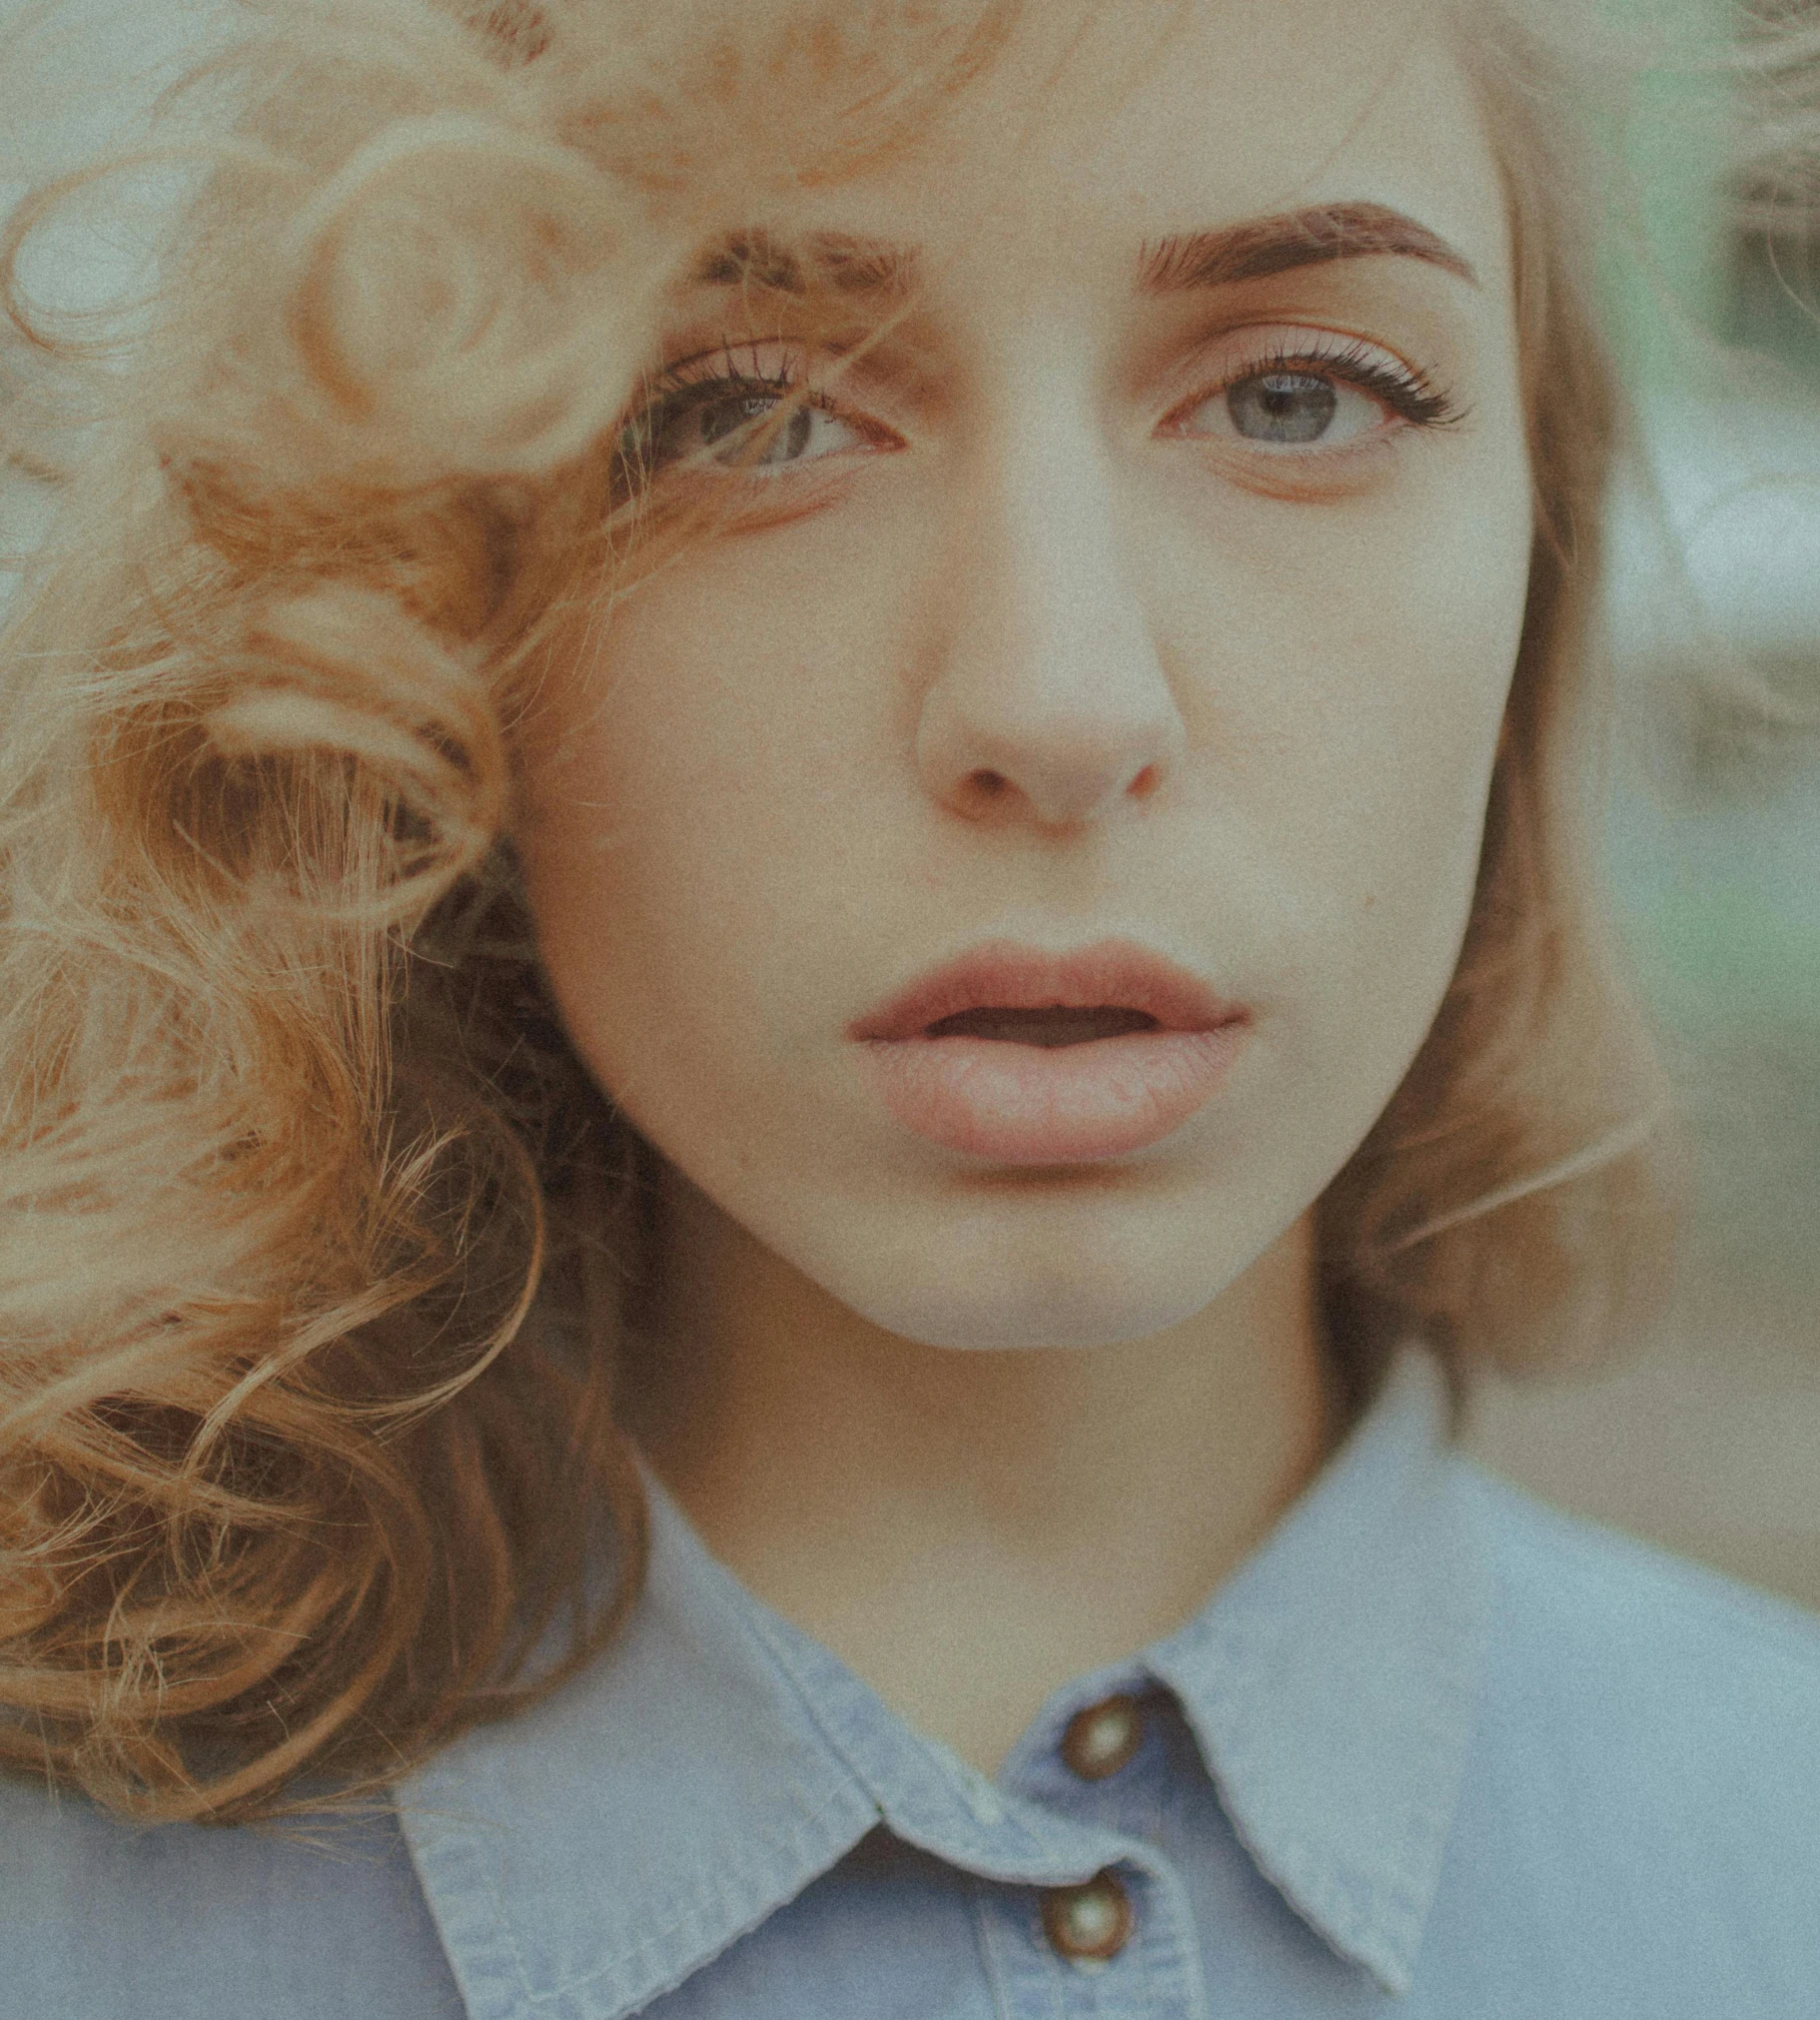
1088,1922
1103,1738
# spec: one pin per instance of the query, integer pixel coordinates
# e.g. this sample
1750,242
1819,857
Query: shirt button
1101,1738
1090,1922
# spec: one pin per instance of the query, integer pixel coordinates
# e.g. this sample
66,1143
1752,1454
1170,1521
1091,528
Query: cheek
1392,782
692,797
1351,665
1407,776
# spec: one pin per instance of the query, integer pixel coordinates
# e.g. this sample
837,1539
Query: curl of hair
316,1241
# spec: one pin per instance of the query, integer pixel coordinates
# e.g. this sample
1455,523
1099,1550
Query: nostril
1146,782
990,784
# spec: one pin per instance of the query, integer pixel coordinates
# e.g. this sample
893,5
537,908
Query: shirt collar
1333,1681
600,1847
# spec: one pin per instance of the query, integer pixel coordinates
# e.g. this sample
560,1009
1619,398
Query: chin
1013,1301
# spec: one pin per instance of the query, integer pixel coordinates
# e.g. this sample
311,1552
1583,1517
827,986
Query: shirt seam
979,1908
734,1880
1027,1841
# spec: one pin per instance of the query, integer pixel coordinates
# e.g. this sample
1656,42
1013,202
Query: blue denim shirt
1433,1750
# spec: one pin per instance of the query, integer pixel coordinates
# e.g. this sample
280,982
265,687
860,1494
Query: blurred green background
1710,1439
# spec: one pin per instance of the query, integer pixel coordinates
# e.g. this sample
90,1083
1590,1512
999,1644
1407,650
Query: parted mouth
1025,996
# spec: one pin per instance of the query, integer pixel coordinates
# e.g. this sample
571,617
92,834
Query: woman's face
1154,580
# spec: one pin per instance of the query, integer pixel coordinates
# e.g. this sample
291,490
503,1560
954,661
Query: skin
1022,652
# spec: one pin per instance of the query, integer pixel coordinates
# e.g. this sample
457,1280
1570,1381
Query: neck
969,1529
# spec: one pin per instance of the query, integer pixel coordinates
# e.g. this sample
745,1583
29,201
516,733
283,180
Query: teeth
1057,1026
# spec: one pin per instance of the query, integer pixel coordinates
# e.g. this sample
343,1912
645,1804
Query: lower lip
1062,1104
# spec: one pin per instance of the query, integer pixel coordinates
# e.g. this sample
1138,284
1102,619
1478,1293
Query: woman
916,677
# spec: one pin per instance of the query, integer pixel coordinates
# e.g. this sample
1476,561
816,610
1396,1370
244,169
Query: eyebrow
1277,245
841,262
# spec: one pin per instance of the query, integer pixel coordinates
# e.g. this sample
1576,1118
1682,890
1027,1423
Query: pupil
1283,407
730,416
727,416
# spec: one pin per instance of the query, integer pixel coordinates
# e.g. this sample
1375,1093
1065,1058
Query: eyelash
1408,391
672,387
713,374
698,381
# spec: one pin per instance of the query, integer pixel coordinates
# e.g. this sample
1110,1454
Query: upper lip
1002,975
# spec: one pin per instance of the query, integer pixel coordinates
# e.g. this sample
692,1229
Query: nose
1050,704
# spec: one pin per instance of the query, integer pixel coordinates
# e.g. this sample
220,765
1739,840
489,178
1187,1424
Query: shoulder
1637,1827
1592,1602
102,1918
1651,1702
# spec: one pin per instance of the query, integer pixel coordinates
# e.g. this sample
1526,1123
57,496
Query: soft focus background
1709,1438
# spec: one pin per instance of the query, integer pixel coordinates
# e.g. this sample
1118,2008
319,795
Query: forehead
1101,129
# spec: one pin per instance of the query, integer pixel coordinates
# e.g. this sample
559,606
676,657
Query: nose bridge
1056,550
1051,683
1048,558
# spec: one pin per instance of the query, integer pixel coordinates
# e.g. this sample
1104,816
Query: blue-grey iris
1283,407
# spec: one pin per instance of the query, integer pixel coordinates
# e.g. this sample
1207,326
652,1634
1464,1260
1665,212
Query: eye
749,410
1287,409
1296,407
1326,395
725,424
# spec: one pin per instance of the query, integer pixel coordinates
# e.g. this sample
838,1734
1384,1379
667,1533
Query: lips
1025,1057
1001,975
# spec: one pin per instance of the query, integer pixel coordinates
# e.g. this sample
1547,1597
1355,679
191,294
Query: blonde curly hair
314,1239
